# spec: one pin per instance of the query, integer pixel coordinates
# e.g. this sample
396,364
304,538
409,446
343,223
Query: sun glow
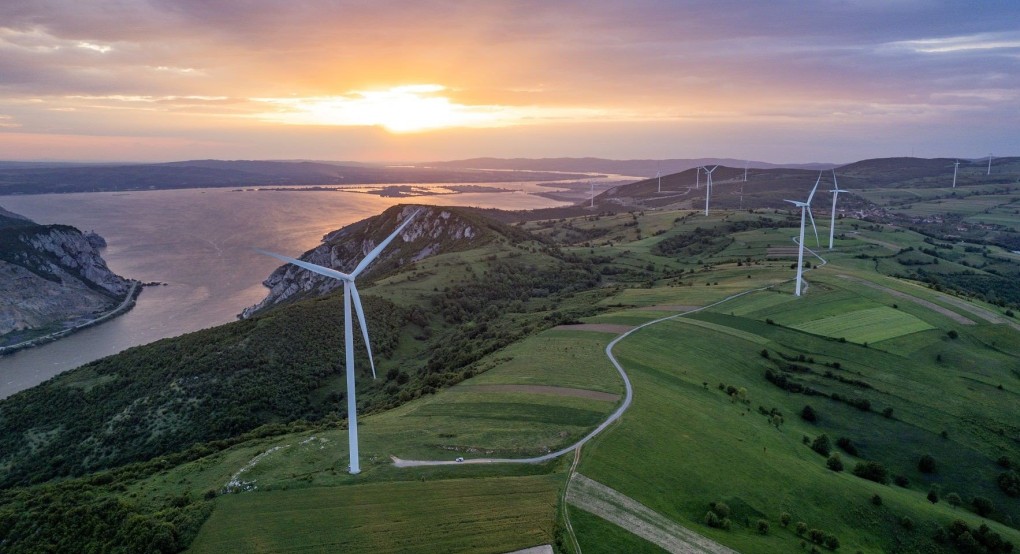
405,109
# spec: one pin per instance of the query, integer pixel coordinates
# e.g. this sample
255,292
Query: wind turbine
989,163
835,194
708,185
697,180
658,175
350,292
745,170
805,207
956,167
592,193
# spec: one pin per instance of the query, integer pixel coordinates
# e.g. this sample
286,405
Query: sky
399,81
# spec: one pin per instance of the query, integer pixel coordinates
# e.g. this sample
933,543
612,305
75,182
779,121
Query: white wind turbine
835,195
697,180
956,167
592,184
708,185
350,292
805,207
658,175
989,164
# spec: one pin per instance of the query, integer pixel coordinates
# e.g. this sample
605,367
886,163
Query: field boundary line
633,516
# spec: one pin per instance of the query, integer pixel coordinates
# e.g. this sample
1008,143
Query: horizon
389,82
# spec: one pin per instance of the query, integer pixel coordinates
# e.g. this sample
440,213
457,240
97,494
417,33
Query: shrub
926,464
887,413
784,519
954,499
711,519
907,523
901,481
808,414
763,527
1009,482
1004,461
953,334
816,536
831,542
834,462
872,471
801,528
876,500
847,445
721,509
933,494
821,445
982,506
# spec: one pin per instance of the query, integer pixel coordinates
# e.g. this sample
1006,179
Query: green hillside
235,435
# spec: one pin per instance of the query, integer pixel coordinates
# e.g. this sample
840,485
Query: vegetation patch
866,326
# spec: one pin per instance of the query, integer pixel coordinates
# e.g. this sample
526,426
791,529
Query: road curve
398,462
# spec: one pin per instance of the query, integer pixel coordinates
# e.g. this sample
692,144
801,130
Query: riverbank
122,308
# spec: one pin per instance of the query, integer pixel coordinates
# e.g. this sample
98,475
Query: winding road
398,462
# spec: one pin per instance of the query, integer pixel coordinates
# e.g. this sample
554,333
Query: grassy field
455,515
866,326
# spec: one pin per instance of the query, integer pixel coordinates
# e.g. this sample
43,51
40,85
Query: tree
801,528
876,500
834,462
784,519
808,414
1004,461
954,499
1009,482
933,494
926,464
872,471
763,526
953,334
982,506
907,523
822,445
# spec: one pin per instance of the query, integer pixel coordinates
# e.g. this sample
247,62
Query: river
199,242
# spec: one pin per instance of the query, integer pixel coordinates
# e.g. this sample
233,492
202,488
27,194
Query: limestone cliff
51,277
435,230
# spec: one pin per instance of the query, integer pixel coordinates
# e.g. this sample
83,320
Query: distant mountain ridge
47,178
637,168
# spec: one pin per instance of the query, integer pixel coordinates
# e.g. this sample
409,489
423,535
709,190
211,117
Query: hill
644,168
52,279
499,346
43,178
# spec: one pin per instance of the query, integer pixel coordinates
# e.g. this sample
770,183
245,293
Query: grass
720,449
456,515
866,326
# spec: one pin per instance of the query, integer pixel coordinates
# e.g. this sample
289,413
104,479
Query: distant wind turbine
708,185
350,292
697,180
745,171
989,163
805,207
658,175
835,195
956,167
592,183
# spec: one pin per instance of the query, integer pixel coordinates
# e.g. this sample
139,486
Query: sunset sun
403,109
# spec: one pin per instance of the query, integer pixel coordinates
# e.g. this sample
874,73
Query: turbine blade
364,328
808,208
834,183
813,189
378,249
309,266
794,202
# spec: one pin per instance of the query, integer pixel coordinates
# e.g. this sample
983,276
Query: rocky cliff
435,230
51,277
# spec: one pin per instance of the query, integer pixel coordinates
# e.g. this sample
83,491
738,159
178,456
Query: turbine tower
989,163
708,185
745,171
697,180
805,207
956,167
658,175
350,292
835,195
592,184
